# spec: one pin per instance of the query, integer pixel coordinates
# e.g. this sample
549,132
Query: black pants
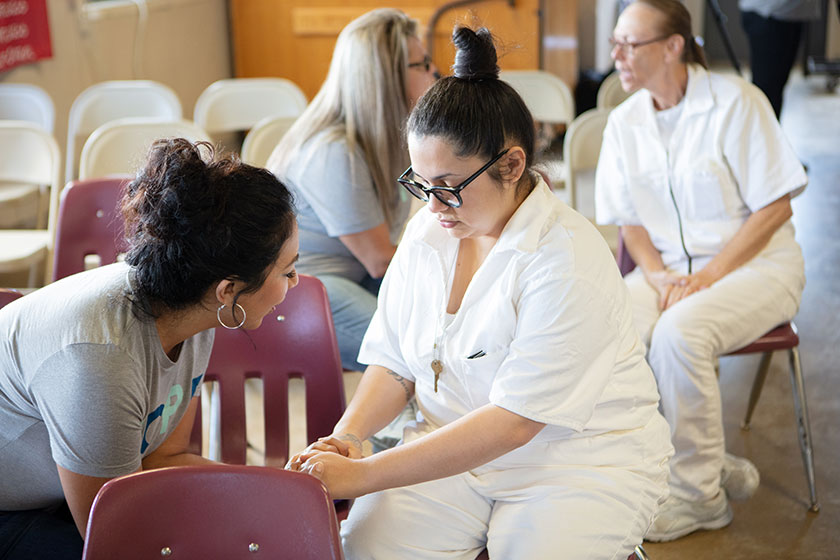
48,534
773,47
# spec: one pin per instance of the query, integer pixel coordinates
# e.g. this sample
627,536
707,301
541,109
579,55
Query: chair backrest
88,224
213,511
107,101
119,147
29,154
547,97
581,148
239,103
7,296
610,92
27,102
625,262
263,138
297,339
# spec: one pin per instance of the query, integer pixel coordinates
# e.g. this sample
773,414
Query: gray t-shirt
85,384
335,195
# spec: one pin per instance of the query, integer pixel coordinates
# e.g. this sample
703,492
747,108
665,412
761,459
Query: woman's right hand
346,445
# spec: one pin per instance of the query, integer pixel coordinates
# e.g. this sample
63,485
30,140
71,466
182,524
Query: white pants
529,512
684,343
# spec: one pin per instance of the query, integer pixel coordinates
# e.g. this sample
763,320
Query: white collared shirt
726,159
547,308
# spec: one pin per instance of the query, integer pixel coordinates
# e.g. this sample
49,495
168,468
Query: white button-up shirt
547,313
726,159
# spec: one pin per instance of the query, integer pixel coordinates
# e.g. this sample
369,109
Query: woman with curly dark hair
98,371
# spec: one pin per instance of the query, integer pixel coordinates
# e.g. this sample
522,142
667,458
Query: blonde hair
676,20
363,101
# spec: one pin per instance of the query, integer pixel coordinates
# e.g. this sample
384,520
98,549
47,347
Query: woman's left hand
343,477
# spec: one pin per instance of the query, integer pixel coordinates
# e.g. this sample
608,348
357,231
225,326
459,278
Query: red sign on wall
24,32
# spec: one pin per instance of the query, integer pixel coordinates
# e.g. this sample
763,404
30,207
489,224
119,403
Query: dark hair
192,221
676,20
475,111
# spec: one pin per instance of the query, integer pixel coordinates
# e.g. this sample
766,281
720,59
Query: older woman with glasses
696,171
340,159
504,314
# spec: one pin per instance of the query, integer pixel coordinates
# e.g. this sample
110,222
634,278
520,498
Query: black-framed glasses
451,196
627,47
425,64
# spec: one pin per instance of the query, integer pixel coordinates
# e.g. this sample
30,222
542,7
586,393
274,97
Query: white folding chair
581,149
20,204
240,103
549,100
263,138
107,101
27,102
610,92
29,155
120,147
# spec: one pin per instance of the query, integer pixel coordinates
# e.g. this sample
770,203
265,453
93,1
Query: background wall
184,43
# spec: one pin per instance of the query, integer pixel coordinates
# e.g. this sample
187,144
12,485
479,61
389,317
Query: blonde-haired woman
340,159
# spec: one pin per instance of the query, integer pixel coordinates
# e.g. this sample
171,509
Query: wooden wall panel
294,40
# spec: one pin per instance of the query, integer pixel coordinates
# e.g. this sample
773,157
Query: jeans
39,533
352,305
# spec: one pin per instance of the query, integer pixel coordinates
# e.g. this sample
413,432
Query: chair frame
249,509
88,224
89,106
297,339
41,109
212,108
782,337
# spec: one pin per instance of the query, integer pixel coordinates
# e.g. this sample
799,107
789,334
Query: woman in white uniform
503,312
696,171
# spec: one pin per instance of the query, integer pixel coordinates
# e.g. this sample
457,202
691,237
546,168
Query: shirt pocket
479,373
703,192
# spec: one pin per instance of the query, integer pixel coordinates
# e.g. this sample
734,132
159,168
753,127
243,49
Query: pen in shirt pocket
478,354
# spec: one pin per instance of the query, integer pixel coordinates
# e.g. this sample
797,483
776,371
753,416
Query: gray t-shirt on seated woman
335,195
84,383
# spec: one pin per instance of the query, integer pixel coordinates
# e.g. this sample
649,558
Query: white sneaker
739,478
678,517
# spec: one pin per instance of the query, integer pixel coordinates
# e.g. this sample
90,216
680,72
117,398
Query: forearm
372,248
751,238
175,460
473,440
645,254
380,396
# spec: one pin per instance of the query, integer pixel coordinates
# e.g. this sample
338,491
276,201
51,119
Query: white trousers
684,343
532,512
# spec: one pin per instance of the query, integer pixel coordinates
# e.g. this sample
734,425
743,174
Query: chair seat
783,337
20,248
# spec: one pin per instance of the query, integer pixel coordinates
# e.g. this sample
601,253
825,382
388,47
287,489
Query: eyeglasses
451,196
425,64
628,47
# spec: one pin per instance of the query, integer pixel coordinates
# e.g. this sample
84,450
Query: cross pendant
437,367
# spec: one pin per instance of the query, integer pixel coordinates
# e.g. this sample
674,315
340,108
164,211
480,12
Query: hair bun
475,54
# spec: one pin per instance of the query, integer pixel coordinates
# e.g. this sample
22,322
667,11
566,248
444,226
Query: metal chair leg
758,383
640,553
803,425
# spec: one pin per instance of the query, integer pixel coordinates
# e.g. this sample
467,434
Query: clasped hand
674,287
336,462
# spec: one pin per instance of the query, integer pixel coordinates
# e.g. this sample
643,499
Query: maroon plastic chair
8,296
297,339
783,337
216,511
88,224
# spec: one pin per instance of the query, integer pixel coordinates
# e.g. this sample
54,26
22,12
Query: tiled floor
775,523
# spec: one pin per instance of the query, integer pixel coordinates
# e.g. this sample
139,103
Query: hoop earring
219,317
